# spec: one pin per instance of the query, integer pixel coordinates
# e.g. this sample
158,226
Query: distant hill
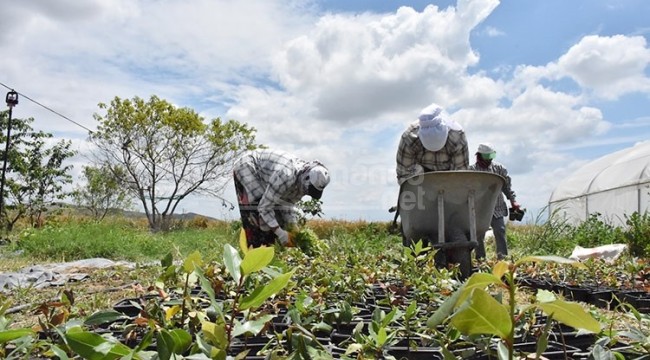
126,213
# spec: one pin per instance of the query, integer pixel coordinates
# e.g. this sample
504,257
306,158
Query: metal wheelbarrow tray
448,210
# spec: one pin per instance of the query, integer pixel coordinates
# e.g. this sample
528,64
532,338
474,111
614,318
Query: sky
552,84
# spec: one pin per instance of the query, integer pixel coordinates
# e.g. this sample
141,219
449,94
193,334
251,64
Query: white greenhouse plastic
614,185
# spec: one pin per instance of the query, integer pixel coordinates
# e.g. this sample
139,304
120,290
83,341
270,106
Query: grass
118,240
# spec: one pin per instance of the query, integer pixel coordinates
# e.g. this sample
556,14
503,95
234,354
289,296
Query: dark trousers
250,219
499,230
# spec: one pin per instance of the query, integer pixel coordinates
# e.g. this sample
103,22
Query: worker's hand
282,235
515,205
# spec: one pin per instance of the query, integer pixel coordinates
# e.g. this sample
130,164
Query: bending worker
432,143
269,183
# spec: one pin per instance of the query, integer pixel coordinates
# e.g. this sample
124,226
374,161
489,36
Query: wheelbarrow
448,210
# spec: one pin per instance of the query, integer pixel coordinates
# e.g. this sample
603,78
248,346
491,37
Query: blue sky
552,84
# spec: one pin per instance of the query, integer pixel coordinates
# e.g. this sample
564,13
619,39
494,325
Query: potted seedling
473,309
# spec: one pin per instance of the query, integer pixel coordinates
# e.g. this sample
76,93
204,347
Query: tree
36,176
103,191
167,152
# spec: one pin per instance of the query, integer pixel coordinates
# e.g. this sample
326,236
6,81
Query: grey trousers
499,229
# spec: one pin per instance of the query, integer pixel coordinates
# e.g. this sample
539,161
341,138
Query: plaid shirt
453,156
500,209
272,179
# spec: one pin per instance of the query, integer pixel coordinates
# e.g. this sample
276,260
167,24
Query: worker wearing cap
485,162
268,184
432,143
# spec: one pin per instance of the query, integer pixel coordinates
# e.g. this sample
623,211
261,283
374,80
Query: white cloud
610,66
337,87
491,31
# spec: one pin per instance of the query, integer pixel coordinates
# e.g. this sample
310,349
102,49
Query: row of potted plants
345,300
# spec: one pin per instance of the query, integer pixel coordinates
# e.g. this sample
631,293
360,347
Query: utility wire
47,108
76,123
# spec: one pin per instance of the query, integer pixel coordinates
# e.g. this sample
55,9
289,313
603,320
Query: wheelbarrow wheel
462,253
463,257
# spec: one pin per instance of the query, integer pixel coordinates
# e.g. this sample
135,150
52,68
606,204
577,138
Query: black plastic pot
580,341
577,293
130,307
603,299
554,351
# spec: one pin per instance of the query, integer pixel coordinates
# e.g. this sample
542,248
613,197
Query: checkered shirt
453,156
272,179
500,209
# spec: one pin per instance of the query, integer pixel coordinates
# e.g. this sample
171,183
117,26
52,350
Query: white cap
319,177
487,151
434,127
486,148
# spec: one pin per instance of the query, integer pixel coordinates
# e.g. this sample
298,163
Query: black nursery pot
603,299
580,341
128,307
577,293
554,351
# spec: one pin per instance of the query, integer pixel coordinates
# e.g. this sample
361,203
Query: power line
47,108
76,123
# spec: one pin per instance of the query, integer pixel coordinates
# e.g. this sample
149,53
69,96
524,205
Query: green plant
473,310
14,342
551,236
156,143
307,241
216,335
381,335
595,232
37,176
637,236
310,208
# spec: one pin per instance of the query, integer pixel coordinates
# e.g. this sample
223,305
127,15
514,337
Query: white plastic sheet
55,274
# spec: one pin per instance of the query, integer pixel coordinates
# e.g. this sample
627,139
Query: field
198,294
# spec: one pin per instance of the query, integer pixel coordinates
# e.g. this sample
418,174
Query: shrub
637,236
594,232
551,237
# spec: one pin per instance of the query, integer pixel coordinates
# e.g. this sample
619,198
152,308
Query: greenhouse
613,186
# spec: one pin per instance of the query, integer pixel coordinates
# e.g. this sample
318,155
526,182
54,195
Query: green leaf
381,336
256,259
411,310
232,260
261,294
94,347
164,345
9,335
484,315
208,350
215,334
146,341
252,327
170,342
446,309
167,261
545,296
571,314
59,353
182,340
104,317
478,281
192,261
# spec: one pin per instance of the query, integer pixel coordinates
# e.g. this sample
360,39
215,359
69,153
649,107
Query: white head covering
434,127
316,179
486,148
